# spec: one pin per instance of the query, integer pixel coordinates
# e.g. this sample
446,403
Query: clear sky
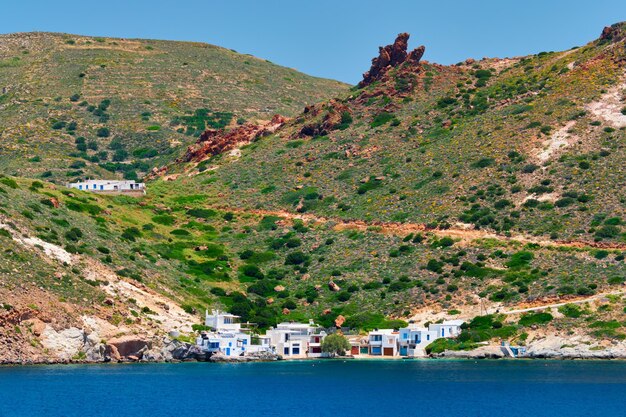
330,38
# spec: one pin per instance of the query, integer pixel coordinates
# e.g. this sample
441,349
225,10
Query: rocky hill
425,192
74,106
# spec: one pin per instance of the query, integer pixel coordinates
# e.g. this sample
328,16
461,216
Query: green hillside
531,146
489,184
74,106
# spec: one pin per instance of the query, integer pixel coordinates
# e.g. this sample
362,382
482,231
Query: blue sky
333,39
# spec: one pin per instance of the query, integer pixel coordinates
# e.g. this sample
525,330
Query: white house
383,342
111,186
413,340
226,337
228,343
315,345
291,340
222,321
449,328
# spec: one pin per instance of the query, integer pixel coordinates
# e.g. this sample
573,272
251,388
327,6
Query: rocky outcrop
331,120
252,357
483,352
614,33
214,142
391,56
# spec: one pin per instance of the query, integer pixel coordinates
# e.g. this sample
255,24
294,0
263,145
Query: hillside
75,106
425,192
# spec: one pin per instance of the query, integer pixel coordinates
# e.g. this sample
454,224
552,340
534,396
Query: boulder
333,286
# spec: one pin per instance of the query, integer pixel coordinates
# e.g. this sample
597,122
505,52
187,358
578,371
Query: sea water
337,388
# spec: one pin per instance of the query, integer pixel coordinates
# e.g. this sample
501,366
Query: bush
131,233
535,318
296,258
520,260
103,132
571,310
483,163
381,118
201,213
74,234
343,296
251,271
164,219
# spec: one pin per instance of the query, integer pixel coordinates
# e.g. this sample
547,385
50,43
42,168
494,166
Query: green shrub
74,234
381,118
297,258
9,182
571,310
164,219
131,233
483,163
535,318
103,132
201,213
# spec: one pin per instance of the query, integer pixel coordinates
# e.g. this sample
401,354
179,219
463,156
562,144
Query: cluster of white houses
304,340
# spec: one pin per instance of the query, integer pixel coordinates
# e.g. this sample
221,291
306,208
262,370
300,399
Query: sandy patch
609,107
51,250
559,139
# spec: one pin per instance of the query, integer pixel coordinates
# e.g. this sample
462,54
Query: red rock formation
330,121
391,56
213,142
614,33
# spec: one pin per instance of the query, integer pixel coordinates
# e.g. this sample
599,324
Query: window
80,187
427,337
295,350
286,351
94,186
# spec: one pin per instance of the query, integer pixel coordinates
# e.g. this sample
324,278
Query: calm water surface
318,388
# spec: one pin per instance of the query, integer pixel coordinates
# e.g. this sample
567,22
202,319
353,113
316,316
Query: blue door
227,351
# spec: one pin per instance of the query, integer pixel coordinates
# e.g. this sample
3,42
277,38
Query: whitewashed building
110,186
383,342
410,341
315,345
226,335
413,340
449,328
291,340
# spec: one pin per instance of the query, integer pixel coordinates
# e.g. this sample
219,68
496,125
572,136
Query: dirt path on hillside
463,232
562,303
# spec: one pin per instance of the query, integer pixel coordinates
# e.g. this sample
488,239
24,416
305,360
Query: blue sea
440,388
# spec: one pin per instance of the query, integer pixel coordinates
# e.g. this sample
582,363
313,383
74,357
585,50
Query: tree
335,344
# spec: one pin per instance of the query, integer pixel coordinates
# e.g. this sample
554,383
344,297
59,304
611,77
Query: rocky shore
548,348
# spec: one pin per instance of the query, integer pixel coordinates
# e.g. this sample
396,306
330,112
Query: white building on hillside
111,186
219,321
